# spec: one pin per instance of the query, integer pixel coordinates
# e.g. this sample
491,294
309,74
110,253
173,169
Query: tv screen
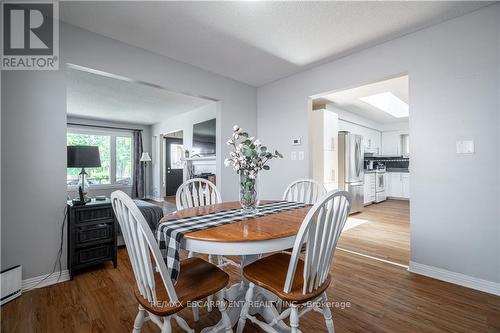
204,138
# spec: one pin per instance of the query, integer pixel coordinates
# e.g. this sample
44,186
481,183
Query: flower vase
248,194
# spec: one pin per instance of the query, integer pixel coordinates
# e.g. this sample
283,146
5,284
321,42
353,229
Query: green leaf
263,148
266,167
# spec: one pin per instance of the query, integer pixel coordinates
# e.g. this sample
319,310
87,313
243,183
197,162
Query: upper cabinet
324,147
371,137
396,143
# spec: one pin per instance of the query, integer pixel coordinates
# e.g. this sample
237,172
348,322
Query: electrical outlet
465,147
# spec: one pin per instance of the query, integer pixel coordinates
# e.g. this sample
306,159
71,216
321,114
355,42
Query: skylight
389,103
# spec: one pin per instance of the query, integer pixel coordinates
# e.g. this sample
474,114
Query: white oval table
248,239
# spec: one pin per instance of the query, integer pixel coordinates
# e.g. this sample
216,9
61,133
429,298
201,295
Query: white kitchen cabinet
398,185
392,143
395,185
371,138
324,147
405,177
369,188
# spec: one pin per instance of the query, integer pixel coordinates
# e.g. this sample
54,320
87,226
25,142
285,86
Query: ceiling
349,100
94,96
257,42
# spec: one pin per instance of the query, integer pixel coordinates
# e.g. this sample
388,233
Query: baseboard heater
11,283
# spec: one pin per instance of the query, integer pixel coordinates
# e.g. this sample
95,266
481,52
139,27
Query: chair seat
197,280
270,273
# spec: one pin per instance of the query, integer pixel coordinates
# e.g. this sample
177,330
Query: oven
380,183
380,180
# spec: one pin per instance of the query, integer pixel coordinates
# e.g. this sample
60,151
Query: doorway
376,114
174,170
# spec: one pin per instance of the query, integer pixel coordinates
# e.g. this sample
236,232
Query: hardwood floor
367,295
170,199
385,233
168,206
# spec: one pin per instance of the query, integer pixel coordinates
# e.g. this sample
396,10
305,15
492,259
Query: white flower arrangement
249,155
248,158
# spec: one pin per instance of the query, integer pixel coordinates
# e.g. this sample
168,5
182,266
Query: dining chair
296,281
196,192
304,190
159,300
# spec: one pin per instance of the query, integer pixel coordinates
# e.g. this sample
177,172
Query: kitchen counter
404,170
398,170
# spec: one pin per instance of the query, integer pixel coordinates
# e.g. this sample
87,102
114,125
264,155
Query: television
204,138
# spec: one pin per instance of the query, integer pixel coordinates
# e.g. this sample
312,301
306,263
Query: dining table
249,239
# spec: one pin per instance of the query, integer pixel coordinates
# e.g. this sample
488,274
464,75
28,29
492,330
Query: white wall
33,168
183,122
146,144
34,136
453,88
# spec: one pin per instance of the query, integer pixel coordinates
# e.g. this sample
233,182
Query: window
115,150
405,145
123,160
176,153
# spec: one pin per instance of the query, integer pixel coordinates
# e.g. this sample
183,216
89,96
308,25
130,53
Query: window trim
112,133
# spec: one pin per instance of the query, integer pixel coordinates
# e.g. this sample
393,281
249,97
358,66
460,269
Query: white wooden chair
196,192
156,294
296,281
304,190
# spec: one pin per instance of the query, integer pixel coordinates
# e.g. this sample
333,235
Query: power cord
58,261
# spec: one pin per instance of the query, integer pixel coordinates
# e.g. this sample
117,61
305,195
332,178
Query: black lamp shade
83,157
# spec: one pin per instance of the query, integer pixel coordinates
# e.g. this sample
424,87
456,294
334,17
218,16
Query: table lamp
83,157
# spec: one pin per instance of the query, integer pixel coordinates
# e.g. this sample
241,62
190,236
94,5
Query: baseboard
36,282
455,278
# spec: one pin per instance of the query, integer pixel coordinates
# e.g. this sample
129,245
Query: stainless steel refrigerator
351,174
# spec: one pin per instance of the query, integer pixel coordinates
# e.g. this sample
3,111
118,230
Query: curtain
138,177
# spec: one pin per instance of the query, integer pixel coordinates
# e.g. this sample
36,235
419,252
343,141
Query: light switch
465,147
293,155
301,155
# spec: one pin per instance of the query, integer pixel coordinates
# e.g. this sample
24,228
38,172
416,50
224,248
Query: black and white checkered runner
170,233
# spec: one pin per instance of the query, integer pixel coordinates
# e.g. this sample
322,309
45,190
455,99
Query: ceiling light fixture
388,103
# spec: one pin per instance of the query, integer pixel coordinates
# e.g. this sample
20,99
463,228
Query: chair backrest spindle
304,190
196,192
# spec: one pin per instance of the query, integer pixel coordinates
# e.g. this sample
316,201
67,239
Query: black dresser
91,235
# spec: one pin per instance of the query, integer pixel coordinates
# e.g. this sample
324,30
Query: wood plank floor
371,296
385,233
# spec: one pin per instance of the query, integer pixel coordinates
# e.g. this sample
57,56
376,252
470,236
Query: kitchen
360,143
